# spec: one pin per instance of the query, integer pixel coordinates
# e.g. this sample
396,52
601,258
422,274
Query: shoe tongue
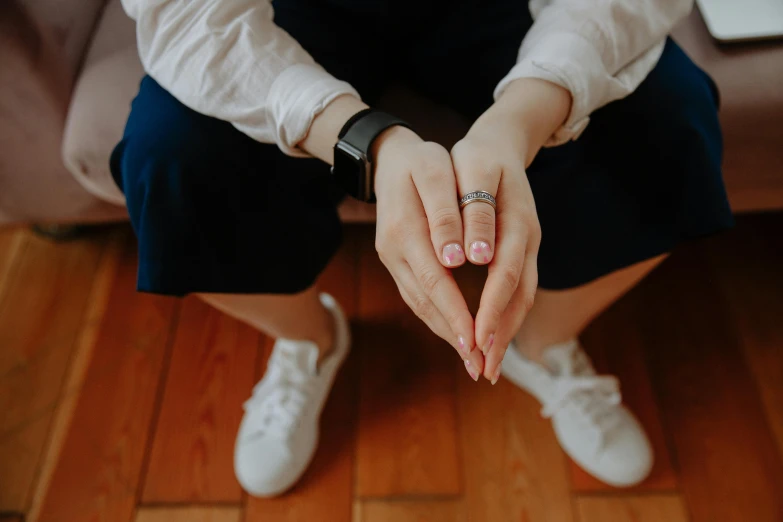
559,358
304,353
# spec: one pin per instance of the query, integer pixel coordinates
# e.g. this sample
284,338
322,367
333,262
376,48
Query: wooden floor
122,407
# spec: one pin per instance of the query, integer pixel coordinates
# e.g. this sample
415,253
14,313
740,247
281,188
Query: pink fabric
35,85
67,24
101,102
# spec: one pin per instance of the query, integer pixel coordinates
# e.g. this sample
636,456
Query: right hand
419,235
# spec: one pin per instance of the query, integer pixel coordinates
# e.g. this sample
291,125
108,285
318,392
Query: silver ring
477,195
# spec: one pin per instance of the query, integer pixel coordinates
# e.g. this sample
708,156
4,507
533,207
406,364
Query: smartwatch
353,162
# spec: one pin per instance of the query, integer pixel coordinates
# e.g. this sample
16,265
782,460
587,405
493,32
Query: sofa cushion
101,102
66,25
35,88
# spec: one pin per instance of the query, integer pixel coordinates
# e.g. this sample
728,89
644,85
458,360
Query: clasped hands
422,234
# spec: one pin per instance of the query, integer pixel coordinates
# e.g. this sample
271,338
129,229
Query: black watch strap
363,127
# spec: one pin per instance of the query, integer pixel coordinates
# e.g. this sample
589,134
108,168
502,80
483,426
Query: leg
643,176
560,315
202,201
298,316
198,232
201,197
677,194
205,202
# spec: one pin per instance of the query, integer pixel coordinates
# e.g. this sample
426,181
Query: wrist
326,126
531,110
534,96
506,131
392,138
391,143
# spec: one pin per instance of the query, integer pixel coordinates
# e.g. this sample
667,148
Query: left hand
493,157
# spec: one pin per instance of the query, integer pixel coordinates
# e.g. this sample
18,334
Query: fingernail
480,252
471,371
453,254
491,341
462,346
496,376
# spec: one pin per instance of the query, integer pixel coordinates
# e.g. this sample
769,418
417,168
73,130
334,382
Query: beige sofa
69,69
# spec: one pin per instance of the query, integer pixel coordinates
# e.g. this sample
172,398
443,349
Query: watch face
349,169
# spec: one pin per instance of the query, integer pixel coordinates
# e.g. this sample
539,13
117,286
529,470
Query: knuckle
528,301
422,306
396,231
490,174
465,151
494,314
433,150
445,219
430,281
452,317
407,299
529,215
535,233
481,217
532,283
460,148
510,275
432,159
429,172
388,262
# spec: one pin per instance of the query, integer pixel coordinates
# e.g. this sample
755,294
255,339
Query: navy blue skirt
645,174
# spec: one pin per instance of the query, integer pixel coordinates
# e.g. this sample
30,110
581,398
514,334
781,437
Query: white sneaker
279,432
593,427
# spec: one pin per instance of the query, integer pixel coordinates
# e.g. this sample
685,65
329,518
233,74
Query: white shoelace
593,397
281,408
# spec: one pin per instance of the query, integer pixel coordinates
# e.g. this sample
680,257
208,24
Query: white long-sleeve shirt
227,59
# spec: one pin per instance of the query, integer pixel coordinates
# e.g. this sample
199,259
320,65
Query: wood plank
98,470
729,466
211,374
613,343
189,514
324,493
19,455
12,243
407,441
747,265
514,467
629,508
84,346
410,511
41,311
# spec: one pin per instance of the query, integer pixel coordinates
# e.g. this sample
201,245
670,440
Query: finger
434,180
437,283
416,300
516,311
517,225
478,218
422,306
414,247
504,276
428,314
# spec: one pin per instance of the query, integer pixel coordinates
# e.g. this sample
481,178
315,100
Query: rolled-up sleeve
228,60
599,50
